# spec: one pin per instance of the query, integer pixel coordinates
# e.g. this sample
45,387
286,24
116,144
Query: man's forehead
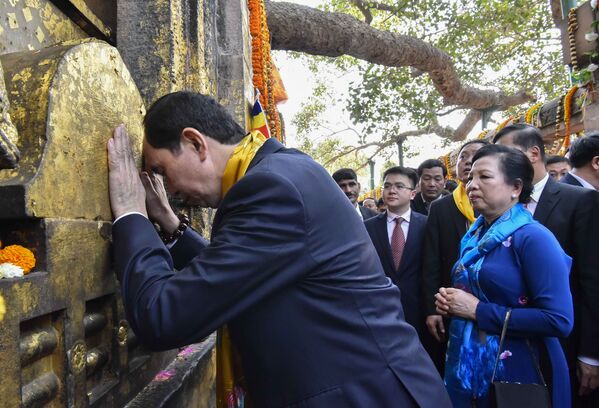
433,171
393,177
347,181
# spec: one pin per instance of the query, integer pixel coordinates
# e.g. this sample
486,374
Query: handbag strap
508,314
501,339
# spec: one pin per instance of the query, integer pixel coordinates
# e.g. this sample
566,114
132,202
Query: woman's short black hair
514,165
169,115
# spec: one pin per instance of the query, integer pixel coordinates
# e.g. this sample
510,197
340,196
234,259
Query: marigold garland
504,124
18,256
558,116
482,134
568,99
446,162
531,112
572,28
262,65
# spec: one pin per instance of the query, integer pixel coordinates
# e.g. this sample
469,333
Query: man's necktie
398,242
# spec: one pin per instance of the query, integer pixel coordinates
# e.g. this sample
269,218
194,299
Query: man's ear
196,139
534,154
595,163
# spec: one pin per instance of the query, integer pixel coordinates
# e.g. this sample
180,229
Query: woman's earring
513,195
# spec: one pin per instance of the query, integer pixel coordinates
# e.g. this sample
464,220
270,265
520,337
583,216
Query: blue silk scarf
470,352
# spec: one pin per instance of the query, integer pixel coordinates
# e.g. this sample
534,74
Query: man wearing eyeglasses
398,235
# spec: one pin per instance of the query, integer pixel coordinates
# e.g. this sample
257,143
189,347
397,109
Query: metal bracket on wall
95,17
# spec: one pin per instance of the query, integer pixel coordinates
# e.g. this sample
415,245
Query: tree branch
294,27
447,132
364,9
556,12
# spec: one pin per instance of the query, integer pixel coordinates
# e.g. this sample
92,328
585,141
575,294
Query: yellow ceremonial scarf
228,370
463,203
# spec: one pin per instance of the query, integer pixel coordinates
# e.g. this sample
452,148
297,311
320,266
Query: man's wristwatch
177,233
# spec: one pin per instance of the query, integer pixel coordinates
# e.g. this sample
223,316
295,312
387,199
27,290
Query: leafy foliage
503,45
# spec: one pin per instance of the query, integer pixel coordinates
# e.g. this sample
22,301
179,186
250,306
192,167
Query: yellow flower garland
504,124
568,99
482,134
531,112
572,28
263,66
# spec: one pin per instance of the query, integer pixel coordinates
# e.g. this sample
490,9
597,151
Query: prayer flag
259,121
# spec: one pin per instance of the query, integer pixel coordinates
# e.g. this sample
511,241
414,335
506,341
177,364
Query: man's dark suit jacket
367,213
407,276
569,179
418,205
571,214
314,318
444,230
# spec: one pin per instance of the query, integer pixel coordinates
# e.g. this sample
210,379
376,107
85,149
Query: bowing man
398,236
305,301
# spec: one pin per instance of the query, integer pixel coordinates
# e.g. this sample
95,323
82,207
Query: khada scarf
229,376
463,203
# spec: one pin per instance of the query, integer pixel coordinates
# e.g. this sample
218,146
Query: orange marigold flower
19,256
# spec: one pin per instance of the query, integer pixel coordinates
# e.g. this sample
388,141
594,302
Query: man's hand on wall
127,193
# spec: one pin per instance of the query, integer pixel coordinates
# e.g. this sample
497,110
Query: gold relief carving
78,357
66,147
9,153
122,333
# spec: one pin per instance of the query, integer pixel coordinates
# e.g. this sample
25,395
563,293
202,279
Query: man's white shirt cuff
589,360
126,214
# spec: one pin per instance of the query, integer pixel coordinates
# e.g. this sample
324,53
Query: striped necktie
398,242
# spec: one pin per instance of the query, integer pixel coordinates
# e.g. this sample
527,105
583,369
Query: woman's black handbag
518,395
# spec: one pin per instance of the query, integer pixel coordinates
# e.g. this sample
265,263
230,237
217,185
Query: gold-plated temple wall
63,88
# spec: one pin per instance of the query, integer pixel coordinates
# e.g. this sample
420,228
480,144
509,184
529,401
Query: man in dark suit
347,180
445,227
310,311
432,176
397,236
570,213
584,156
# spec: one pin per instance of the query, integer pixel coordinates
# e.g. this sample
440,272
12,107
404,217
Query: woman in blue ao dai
507,261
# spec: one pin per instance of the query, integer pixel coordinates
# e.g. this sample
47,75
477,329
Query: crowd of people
513,234
320,301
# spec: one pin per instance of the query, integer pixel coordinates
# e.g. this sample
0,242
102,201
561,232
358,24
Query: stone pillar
234,58
199,45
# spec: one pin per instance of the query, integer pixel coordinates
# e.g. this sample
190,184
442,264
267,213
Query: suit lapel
569,179
548,200
383,238
411,249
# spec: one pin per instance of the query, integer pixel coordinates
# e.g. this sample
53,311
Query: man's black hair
514,165
475,141
169,115
584,149
524,136
557,159
404,171
431,163
344,174
451,185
